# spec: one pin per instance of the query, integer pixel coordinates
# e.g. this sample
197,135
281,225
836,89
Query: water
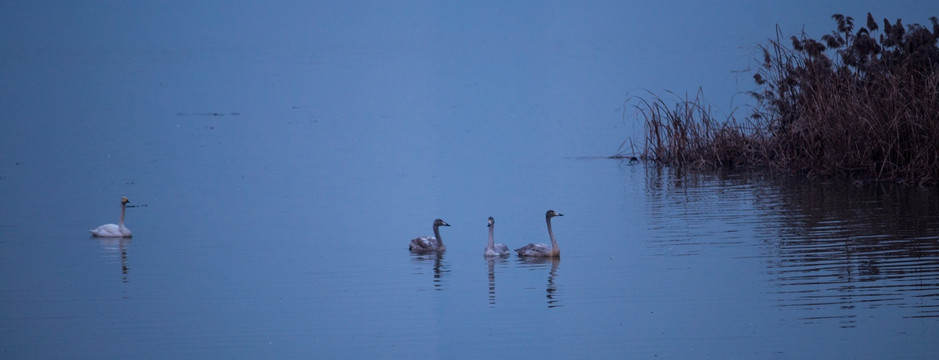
655,264
276,186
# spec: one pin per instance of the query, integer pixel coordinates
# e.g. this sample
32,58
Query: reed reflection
832,249
551,288
112,248
840,248
435,259
833,277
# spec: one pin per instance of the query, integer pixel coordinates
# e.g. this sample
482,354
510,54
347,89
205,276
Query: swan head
491,221
552,213
124,200
439,222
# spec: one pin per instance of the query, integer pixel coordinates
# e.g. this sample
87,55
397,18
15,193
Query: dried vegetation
858,103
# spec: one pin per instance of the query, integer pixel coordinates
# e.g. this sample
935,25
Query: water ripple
831,250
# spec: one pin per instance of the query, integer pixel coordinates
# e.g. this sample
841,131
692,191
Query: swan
543,250
430,243
111,230
495,249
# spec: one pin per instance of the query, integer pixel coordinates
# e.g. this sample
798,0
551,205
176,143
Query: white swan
111,230
429,243
543,250
494,249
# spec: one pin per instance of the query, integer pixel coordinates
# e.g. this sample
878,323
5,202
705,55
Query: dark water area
275,186
830,248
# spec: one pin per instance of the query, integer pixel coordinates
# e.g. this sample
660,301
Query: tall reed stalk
686,134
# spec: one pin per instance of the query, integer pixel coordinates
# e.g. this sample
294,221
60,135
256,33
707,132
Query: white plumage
114,230
494,249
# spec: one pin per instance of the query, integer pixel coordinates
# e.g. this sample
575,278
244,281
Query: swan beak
559,214
445,224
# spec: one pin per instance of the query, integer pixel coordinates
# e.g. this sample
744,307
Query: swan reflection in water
434,258
430,249
494,252
491,262
115,247
538,263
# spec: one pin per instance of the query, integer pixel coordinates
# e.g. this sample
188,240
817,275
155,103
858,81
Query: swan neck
123,210
492,243
437,235
554,244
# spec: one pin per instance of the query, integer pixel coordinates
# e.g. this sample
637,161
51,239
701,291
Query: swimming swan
430,243
543,250
494,249
111,230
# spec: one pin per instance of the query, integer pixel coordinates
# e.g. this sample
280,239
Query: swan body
494,249
536,250
543,250
429,243
114,230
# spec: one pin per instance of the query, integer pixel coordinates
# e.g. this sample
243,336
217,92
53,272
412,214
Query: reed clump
860,103
687,134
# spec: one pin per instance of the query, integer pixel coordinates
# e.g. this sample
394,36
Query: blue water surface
279,158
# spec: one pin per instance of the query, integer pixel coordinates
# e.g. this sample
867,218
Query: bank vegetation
861,102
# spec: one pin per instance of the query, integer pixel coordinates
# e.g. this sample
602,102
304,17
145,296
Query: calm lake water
315,264
275,191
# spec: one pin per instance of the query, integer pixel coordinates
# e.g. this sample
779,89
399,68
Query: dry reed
847,105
